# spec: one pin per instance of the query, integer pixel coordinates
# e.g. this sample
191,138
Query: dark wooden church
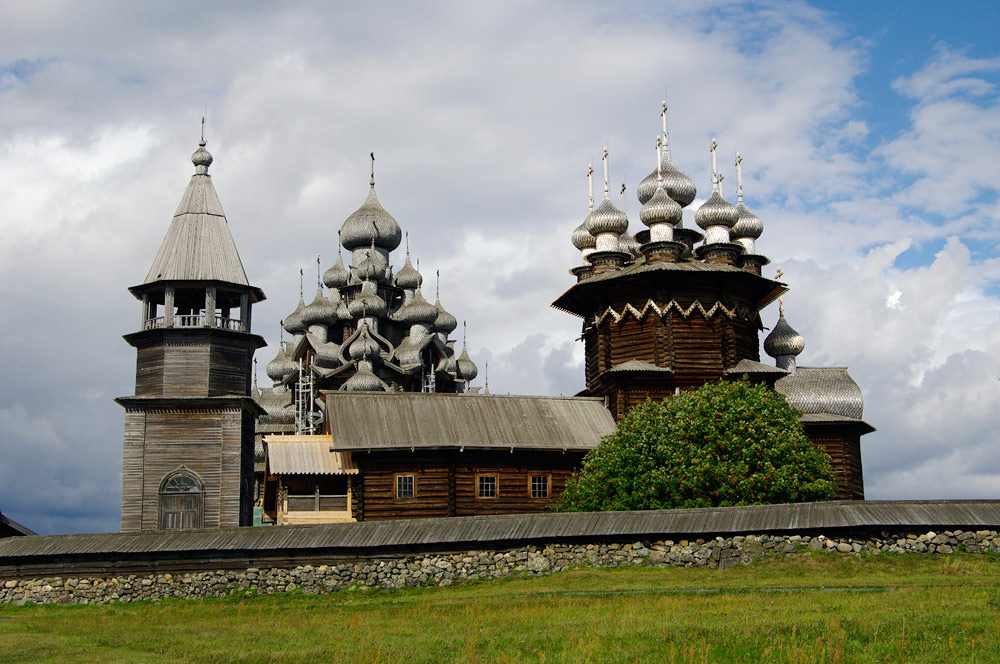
663,313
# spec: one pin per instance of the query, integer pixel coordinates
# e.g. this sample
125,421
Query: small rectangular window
539,486
405,486
487,486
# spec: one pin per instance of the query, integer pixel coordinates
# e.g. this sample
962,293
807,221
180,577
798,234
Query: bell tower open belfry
189,429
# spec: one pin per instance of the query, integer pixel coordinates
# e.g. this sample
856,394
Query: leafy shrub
723,444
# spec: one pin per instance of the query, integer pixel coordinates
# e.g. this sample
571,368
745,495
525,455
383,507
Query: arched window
182,500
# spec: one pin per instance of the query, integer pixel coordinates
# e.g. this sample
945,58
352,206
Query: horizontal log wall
843,445
446,482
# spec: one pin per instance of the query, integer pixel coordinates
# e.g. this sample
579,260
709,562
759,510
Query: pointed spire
486,379
372,180
781,305
623,198
255,390
659,159
437,285
319,281
301,277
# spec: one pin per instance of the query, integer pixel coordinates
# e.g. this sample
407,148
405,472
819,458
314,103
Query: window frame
395,486
170,513
480,477
548,486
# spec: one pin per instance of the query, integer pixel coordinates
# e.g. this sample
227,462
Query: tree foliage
723,444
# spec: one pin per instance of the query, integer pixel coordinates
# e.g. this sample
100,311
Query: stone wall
446,569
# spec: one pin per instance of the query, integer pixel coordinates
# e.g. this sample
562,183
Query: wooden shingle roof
360,421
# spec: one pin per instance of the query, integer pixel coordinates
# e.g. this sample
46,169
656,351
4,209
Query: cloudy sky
870,138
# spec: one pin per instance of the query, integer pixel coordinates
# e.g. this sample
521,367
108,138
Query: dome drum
753,263
582,272
607,261
720,253
663,251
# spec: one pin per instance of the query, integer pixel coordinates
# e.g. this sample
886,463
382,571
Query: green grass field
809,608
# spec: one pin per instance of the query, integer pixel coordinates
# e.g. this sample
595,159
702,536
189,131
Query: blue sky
869,133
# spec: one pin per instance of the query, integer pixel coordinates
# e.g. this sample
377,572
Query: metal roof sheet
198,245
306,455
403,420
463,532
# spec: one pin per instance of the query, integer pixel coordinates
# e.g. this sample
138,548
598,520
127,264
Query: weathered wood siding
213,444
446,482
193,363
843,444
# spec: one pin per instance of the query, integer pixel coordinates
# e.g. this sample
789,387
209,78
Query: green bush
723,444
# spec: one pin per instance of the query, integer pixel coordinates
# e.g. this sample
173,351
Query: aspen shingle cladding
361,421
823,390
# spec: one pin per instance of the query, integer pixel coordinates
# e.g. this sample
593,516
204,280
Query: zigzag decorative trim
735,312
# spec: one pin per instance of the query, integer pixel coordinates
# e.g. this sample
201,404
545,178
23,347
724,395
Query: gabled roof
198,245
10,528
361,421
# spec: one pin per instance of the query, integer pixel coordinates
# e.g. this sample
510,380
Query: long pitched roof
361,421
198,245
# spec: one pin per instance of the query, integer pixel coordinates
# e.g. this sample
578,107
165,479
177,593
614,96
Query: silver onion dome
716,211
369,269
364,380
370,223
582,239
661,209
418,310
444,322
293,322
202,158
677,185
319,311
364,347
607,219
408,277
280,366
465,368
783,340
628,244
368,303
748,225
337,276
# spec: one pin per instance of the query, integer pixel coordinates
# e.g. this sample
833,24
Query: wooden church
671,308
371,413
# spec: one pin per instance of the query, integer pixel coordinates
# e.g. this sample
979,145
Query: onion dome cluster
444,322
465,368
202,158
582,238
368,304
660,208
293,322
747,229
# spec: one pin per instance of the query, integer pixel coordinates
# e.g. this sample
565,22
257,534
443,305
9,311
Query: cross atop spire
659,158
437,284
301,273
590,186
202,143
318,280
372,181
739,178
607,186
717,177
778,274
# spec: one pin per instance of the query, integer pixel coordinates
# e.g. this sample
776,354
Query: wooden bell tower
189,428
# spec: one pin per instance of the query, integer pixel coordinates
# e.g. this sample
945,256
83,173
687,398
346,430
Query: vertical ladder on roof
428,379
305,418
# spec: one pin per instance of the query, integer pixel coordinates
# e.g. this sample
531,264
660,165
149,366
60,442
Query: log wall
446,482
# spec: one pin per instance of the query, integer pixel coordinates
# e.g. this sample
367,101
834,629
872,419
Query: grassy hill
805,608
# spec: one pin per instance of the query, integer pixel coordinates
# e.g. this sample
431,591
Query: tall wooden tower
188,452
